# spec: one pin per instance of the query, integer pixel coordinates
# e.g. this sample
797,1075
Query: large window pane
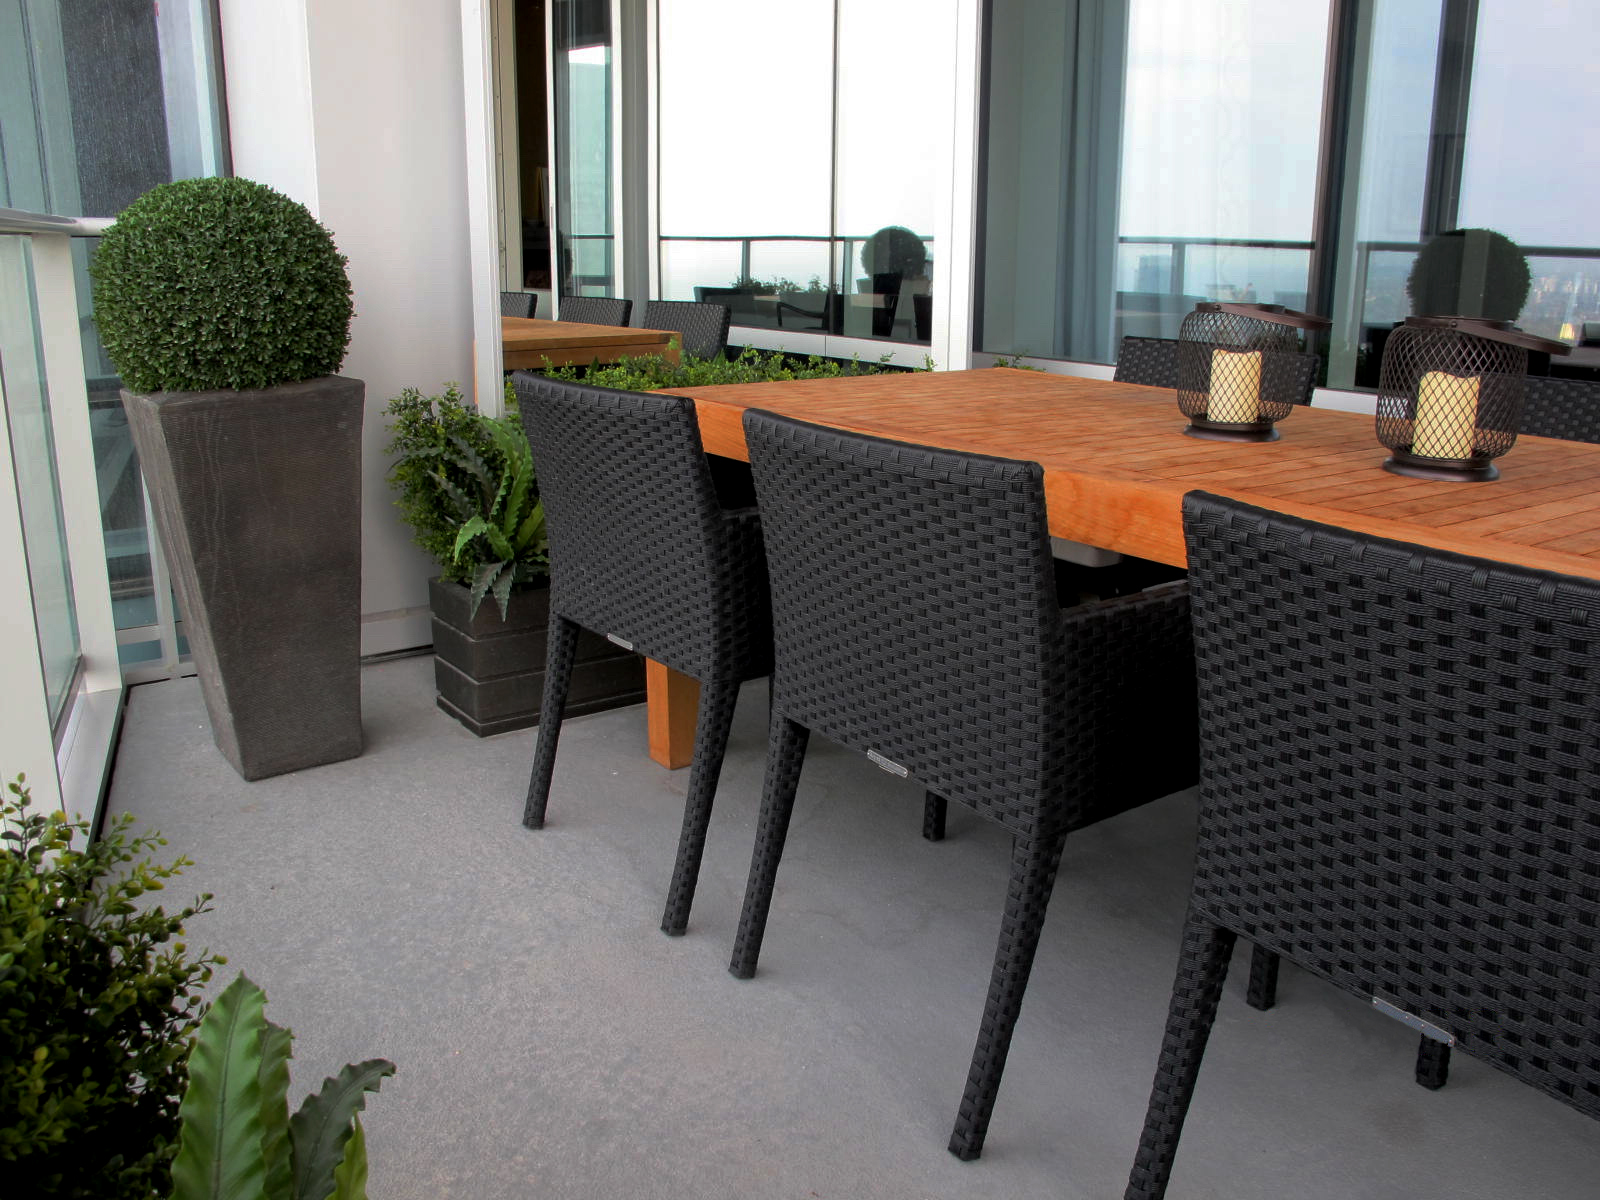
746,162
1144,157
27,416
581,57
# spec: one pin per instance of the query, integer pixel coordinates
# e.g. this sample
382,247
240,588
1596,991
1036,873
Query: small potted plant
466,487
226,309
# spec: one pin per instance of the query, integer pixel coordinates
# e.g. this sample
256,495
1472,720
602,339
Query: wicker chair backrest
1400,779
704,326
1562,408
639,549
518,304
914,611
1153,362
596,310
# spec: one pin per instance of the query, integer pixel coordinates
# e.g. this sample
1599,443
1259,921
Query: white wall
354,108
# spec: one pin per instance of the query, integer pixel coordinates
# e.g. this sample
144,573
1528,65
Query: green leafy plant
748,366
782,283
220,283
239,1141
98,994
467,489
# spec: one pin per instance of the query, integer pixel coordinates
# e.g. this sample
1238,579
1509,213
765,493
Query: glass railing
812,284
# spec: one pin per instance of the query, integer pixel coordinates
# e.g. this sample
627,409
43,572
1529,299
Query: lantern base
1216,431
1448,470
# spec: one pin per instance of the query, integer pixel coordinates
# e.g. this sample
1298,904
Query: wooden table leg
671,701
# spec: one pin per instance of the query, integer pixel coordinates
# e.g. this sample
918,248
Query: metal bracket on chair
611,637
888,765
1426,1028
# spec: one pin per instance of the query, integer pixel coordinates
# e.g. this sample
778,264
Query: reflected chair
1399,791
916,619
704,326
642,553
1153,362
519,304
1561,408
596,310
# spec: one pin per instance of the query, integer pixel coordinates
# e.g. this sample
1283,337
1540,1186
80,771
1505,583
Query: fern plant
238,1141
467,489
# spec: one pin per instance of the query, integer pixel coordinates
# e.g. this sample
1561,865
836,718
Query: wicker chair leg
1263,990
933,813
786,753
1433,1063
562,645
1034,862
712,722
1202,966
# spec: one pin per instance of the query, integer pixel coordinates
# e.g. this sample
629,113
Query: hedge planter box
257,500
490,672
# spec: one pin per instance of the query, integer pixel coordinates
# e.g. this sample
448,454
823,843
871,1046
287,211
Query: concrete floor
552,1043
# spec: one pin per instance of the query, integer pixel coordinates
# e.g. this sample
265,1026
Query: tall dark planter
489,671
257,500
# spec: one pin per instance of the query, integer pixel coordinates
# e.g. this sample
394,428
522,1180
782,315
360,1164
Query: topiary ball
1434,284
894,248
220,283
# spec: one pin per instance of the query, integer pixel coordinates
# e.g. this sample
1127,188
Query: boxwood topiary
220,283
1434,284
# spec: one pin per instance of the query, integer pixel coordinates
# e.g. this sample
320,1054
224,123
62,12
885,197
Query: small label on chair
1426,1028
626,645
888,765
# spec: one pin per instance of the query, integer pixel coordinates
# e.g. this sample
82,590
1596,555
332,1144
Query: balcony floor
552,1043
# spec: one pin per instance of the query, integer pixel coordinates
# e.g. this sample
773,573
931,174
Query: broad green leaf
481,583
322,1127
517,501
532,531
219,1149
498,543
466,456
350,1176
464,506
502,591
467,532
276,1050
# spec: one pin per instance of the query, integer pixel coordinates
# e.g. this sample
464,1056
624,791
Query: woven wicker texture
640,551
1400,791
519,304
597,310
1151,361
916,617
1561,408
704,326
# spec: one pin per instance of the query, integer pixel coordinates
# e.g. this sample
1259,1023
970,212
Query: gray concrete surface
553,1044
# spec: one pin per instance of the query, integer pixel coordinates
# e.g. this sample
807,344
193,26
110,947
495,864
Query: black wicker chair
642,553
1558,408
519,304
704,326
1562,408
1400,788
916,618
1153,362
596,310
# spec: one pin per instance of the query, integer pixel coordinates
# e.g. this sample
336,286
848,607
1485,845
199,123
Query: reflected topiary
1435,281
220,283
894,249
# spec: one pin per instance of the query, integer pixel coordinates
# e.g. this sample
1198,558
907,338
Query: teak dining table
528,342
1117,464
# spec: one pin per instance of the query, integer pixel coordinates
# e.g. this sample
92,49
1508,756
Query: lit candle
1235,386
1447,413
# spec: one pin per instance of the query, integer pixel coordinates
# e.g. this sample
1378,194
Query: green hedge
748,366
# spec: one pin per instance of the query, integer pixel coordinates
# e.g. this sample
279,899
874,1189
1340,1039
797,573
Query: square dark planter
257,501
489,671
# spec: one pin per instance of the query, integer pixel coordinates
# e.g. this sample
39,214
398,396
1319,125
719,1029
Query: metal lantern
1450,395
1240,369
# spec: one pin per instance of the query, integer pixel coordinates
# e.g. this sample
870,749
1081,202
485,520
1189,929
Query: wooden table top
536,343
1117,462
